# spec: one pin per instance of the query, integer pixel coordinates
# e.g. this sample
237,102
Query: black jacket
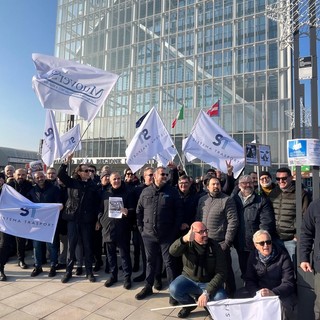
23,188
114,229
159,211
257,213
49,194
83,199
276,275
310,235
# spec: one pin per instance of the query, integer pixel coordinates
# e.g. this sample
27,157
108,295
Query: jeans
187,291
53,251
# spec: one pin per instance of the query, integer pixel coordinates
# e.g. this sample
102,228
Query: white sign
303,152
258,155
305,68
257,308
115,206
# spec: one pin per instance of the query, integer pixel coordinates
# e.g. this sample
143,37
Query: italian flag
178,117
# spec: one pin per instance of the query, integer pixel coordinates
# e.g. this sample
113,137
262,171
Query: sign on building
303,152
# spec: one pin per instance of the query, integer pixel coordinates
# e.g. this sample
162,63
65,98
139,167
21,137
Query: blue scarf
265,259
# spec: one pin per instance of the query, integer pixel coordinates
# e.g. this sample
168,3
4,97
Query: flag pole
174,307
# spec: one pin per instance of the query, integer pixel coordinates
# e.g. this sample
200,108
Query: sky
26,27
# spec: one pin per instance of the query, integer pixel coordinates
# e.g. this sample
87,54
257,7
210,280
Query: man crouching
204,269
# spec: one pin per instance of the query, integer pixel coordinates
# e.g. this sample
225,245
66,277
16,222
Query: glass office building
170,53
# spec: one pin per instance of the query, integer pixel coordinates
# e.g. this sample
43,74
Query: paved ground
26,298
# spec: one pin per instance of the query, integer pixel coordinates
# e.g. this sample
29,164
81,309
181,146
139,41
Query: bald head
200,232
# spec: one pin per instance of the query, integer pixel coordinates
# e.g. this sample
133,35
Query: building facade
174,53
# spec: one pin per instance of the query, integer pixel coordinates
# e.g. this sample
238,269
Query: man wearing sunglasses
159,218
283,199
204,269
81,212
270,273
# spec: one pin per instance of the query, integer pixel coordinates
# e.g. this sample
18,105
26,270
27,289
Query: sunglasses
282,178
86,170
201,232
91,170
262,243
164,174
150,175
129,174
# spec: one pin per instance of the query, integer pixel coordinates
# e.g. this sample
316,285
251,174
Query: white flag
165,156
257,308
71,141
150,139
23,218
51,146
71,87
211,144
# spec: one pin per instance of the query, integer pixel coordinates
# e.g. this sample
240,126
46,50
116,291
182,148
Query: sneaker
127,283
66,277
145,292
52,272
185,311
111,281
3,277
157,284
22,264
173,301
91,277
36,271
79,271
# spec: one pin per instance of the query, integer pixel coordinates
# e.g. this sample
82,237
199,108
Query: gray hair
259,233
246,178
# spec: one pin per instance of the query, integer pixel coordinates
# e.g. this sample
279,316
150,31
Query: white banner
71,87
23,218
211,144
150,139
51,146
165,156
71,141
257,308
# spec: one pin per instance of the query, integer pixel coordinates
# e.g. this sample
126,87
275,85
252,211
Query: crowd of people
180,228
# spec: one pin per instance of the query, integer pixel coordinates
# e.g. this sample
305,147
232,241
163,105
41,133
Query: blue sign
297,148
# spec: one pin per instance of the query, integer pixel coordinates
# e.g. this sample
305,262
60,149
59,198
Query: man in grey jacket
218,212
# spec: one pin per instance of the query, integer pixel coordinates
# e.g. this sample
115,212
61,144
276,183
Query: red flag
214,110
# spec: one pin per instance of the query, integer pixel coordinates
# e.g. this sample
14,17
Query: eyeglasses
282,178
264,178
86,170
262,243
129,173
164,174
246,182
201,232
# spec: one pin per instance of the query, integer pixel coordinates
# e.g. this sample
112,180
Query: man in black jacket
159,218
254,212
23,186
204,269
81,211
45,192
309,243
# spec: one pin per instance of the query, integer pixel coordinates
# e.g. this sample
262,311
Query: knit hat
104,173
265,173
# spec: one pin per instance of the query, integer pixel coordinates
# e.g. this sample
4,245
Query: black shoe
111,281
173,301
22,264
79,271
61,266
136,267
157,284
66,277
36,271
145,292
140,278
185,311
127,283
91,277
3,277
52,272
